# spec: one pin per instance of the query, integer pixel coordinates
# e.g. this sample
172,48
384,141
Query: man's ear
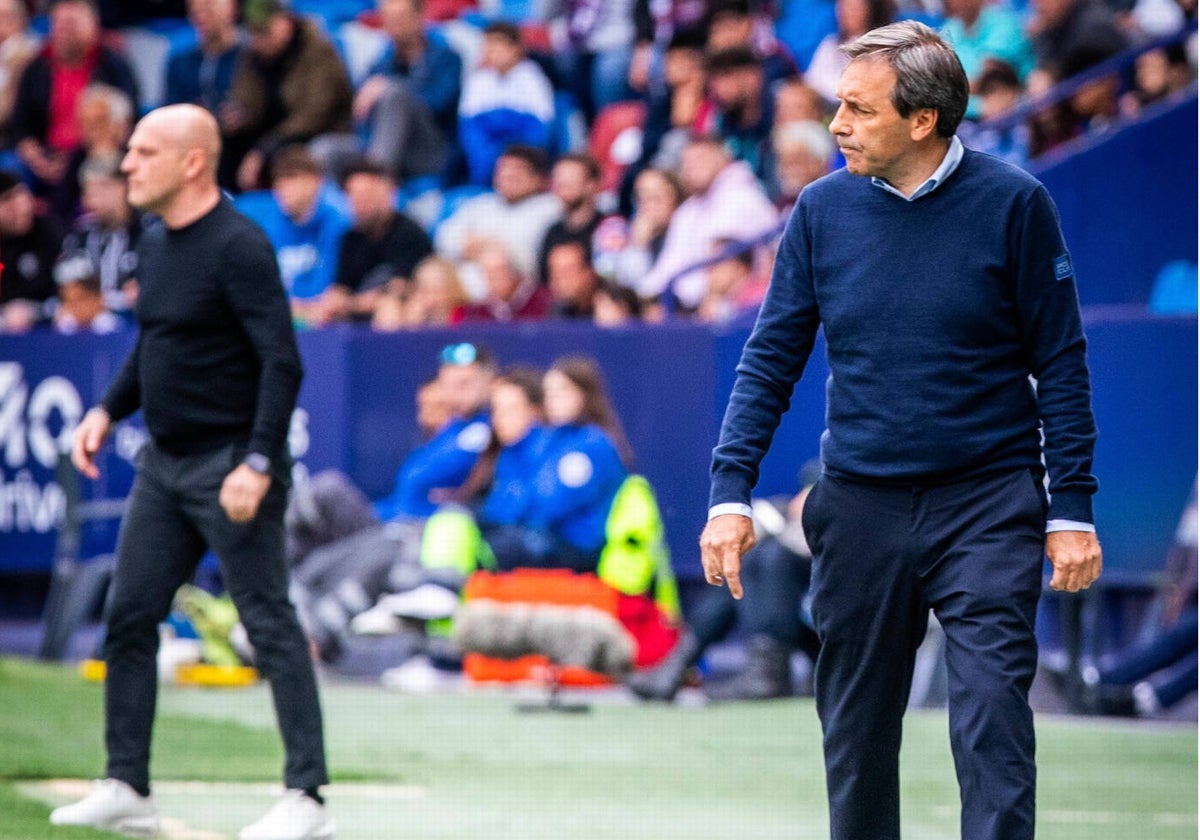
924,123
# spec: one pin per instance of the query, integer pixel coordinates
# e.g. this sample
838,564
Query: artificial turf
467,765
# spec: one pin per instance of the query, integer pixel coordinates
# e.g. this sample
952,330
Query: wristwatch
258,462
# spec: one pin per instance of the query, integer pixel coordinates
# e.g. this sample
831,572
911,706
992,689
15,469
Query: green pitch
468,766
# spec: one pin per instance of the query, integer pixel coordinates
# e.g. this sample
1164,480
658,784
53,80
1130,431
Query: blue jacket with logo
577,477
511,499
442,463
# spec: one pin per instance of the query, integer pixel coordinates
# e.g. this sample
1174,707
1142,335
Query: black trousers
883,557
173,517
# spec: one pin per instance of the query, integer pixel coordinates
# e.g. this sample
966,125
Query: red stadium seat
613,123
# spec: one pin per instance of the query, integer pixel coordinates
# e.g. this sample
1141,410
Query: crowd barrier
669,383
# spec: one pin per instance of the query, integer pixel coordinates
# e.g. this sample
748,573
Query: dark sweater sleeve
1055,350
255,292
124,395
772,361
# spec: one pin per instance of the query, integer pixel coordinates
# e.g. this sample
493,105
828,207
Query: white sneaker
114,806
296,816
377,621
418,676
428,602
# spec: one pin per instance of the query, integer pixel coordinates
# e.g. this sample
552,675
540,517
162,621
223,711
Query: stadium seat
616,139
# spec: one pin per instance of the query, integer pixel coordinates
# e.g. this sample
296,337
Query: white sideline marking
175,829
78,788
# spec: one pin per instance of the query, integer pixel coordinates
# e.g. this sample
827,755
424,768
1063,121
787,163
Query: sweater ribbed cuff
1075,505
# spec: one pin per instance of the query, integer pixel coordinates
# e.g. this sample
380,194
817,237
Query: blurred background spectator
380,251
81,306
107,233
510,294
203,75
409,103
725,201
575,182
517,213
854,18
44,124
30,242
593,47
289,87
305,227
18,46
506,100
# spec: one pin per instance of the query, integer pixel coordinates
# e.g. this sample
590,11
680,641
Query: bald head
172,160
187,128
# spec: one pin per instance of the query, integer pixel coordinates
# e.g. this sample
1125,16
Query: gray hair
928,72
809,134
116,101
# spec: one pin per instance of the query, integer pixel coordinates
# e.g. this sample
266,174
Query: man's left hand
242,492
1076,558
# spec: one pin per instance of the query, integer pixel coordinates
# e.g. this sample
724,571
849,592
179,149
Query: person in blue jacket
304,225
336,580
582,461
431,473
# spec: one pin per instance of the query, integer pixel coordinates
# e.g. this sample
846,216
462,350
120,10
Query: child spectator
983,32
507,99
81,307
998,90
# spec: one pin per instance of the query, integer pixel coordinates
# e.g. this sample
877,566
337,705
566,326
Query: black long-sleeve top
216,359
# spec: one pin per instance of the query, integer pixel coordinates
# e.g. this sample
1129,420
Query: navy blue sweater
936,313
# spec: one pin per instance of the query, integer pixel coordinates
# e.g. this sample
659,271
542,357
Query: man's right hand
725,540
89,437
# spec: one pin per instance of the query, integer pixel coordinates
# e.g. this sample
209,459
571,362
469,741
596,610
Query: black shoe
663,680
767,675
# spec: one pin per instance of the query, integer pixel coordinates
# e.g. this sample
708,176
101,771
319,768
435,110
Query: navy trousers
883,556
173,517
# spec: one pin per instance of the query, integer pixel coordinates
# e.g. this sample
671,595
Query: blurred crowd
424,163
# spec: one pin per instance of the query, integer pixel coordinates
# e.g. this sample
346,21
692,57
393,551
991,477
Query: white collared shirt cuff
1069,525
730,507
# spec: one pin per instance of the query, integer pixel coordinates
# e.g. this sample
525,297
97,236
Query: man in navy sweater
944,287
215,372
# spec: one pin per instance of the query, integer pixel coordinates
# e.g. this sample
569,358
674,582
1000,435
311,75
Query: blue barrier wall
669,383
1128,204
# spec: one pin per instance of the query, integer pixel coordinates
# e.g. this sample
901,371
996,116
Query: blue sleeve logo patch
1062,267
